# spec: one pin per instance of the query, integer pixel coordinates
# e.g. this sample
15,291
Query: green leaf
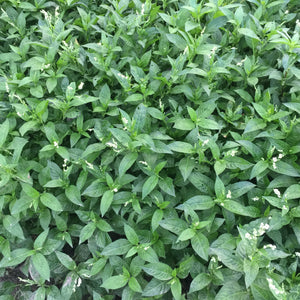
181,147
158,270
134,285
156,218
177,40
176,288
251,269
4,129
96,189
118,247
232,290
254,124
127,161
261,166
208,124
184,124
120,135
106,201
51,84
73,194
156,288
237,208
200,282
40,240
115,282
149,185
186,166
86,232
200,245
41,265
16,257
37,91
98,266
186,234
292,192
219,188
66,260
248,32
286,169
11,224
198,203
131,235
50,201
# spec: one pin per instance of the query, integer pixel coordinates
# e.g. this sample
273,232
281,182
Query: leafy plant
149,150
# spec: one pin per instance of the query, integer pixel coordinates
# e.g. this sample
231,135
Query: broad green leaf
237,208
198,203
261,166
286,169
86,232
16,257
251,269
177,40
200,282
127,161
66,260
156,288
174,225
98,266
200,245
156,218
158,270
40,240
186,166
106,201
184,124
186,234
11,224
50,201
73,194
254,124
176,288
115,282
248,32
118,247
232,290
131,235
134,285
292,192
4,129
181,147
149,185
208,124
41,265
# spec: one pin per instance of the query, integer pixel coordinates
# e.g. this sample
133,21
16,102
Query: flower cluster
276,159
257,232
273,288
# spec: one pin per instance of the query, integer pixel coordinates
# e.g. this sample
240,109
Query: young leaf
41,265
158,270
50,201
115,282
106,201
149,185
200,245
66,260
200,282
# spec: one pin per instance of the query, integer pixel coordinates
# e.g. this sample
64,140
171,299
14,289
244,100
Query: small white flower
205,142
275,159
213,259
143,163
274,166
56,11
55,144
143,9
146,248
6,87
222,204
115,190
297,22
280,156
284,207
80,85
255,199
233,152
228,196
65,43
185,50
277,192
70,88
19,114
89,165
126,203
297,254
125,121
79,281
273,247
113,144
286,12
248,236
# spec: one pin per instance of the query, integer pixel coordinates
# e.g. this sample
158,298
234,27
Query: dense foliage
149,150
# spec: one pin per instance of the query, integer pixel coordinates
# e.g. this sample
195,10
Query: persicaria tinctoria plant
149,149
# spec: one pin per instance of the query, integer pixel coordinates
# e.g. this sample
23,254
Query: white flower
284,207
79,281
205,142
80,85
143,9
255,199
273,247
55,144
280,156
248,236
286,12
56,11
228,196
65,43
143,163
297,22
113,144
89,165
274,166
70,88
297,254
125,121
115,190
275,159
146,248
185,50
126,203
213,259
6,87
222,204
277,192
233,152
